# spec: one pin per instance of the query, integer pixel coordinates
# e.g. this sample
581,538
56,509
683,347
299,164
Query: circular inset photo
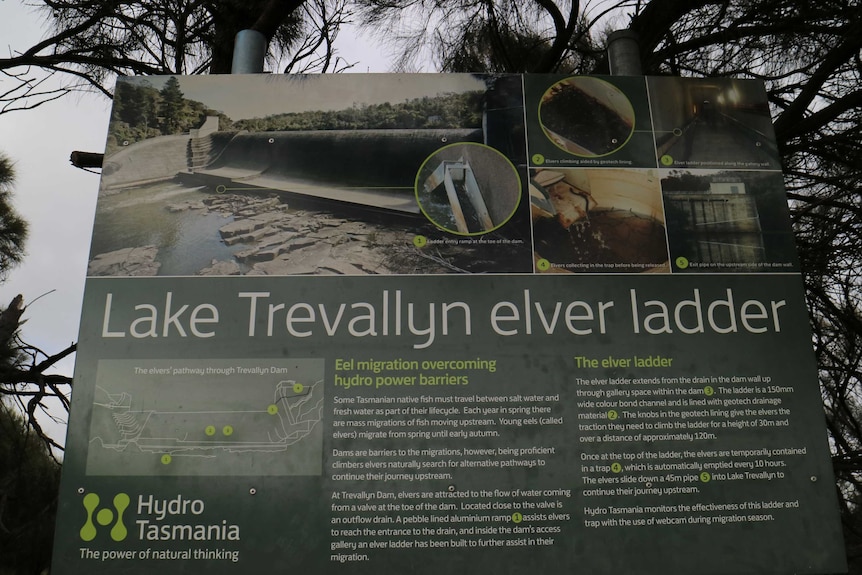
468,189
586,116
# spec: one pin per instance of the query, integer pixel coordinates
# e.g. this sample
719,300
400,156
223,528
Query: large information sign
354,324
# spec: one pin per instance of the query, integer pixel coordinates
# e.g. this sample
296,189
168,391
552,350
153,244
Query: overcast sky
59,200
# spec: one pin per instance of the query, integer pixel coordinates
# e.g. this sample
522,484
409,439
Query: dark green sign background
289,516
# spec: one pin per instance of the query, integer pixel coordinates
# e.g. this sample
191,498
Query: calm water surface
188,241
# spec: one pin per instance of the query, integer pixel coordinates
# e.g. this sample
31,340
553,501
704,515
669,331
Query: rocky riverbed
278,241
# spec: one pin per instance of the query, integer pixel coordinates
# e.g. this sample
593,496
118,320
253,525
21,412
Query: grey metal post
624,57
249,50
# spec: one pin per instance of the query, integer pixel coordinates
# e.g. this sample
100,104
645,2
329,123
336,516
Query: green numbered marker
298,387
667,160
227,430
210,430
612,414
420,241
543,265
681,262
708,390
272,409
616,467
705,477
166,459
538,159
517,517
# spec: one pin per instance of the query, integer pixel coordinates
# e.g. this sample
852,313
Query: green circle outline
455,232
593,78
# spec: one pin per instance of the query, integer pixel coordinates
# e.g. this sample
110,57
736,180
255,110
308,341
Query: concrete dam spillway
368,169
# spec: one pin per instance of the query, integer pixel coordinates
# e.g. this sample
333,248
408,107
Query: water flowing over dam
373,169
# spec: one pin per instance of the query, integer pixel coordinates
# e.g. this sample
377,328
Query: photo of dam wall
225,185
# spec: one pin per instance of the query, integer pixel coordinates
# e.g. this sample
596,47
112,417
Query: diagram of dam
203,420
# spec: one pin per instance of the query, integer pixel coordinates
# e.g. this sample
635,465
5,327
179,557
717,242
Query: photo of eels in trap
598,220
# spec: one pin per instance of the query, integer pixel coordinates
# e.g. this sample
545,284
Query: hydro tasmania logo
105,516
177,519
